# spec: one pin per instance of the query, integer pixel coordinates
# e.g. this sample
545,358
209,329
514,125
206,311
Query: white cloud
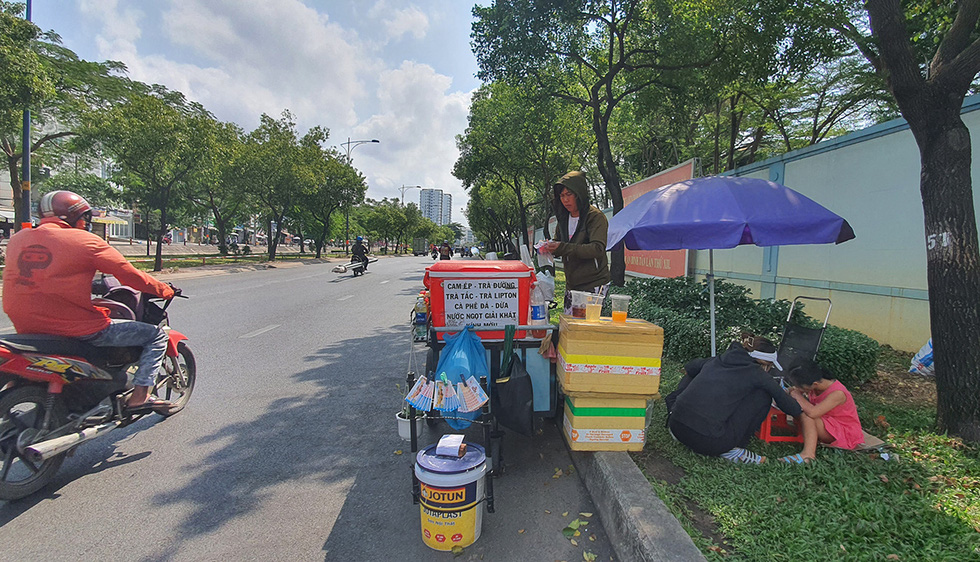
418,120
409,20
243,59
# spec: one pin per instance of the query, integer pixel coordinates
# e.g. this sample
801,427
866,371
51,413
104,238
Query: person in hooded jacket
580,239
723,400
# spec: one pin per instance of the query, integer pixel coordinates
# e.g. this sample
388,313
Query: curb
638,523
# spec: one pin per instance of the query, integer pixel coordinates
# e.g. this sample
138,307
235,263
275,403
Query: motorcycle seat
55,345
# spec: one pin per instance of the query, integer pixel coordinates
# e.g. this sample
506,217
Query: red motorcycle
58,393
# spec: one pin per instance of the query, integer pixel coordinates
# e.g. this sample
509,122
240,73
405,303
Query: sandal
740,455
798,458
152,405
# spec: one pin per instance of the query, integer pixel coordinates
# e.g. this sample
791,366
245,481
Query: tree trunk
953,267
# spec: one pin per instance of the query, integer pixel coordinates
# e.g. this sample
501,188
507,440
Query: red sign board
658,263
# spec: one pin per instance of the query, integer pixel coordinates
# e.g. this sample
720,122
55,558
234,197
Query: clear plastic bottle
421,315
539,312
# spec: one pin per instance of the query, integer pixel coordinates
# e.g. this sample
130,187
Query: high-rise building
447,208
436,205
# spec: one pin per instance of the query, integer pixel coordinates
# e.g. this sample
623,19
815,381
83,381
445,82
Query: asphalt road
288,449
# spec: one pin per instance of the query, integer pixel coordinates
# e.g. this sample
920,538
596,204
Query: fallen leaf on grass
573,541
588,556
881,422
565,514
716,548
558,473
520,531
548,511
585,514
893,557
883,478
457,551
592,537
398,451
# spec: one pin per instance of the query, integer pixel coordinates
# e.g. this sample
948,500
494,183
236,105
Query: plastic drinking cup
579,300
620,305
593,308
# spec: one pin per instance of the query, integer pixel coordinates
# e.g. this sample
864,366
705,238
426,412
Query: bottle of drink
421,314
539,312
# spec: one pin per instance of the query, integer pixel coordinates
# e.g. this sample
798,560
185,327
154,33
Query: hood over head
575,182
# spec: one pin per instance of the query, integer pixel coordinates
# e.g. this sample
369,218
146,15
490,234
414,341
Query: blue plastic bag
464,355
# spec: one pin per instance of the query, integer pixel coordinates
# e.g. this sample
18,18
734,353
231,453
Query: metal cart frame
492,434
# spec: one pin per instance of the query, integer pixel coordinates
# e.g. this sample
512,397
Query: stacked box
608,372
605,422
607,358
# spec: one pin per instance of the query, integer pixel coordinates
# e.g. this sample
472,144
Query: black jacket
719,385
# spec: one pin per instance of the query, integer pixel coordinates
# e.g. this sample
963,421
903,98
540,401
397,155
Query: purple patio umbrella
716,212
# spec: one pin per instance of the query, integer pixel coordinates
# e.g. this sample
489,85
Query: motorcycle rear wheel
177,384
21,410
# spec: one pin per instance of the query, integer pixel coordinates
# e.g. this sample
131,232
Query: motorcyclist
359,252
445,251
47,289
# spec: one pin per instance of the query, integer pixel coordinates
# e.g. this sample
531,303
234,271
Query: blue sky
398,71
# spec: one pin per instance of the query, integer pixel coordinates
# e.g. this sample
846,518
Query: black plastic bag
513,398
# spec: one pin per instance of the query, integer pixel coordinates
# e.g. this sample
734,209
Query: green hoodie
583,252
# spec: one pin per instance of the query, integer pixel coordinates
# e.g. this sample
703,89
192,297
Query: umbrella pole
711,297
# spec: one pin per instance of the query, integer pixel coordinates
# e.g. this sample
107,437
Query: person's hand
550,246
167,293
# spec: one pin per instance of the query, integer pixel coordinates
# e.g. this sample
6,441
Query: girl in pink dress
829,413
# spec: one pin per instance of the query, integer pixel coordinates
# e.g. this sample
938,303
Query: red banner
658,263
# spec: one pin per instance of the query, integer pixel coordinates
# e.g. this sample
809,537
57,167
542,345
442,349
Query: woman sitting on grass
723,400
829,413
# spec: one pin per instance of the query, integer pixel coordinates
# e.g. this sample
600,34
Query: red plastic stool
775,427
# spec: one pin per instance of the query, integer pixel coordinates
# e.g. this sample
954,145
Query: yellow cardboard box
605,423
603,357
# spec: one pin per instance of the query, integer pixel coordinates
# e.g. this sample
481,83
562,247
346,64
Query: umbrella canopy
716,212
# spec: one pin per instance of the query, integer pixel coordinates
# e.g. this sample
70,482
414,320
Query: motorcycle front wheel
21,417
177,382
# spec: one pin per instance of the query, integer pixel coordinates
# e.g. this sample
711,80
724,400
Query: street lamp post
404,187
351,145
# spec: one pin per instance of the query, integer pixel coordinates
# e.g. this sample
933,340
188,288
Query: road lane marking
383,282
260,331
345,298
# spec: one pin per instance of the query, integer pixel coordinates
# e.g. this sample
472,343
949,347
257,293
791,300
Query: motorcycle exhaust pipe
46,450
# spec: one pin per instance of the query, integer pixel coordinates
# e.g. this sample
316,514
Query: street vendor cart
487,296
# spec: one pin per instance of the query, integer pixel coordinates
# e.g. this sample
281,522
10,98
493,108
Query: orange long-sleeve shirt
47,284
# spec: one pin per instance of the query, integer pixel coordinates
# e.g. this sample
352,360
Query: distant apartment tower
436,206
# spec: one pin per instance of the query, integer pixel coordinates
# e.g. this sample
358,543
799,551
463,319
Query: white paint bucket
452,491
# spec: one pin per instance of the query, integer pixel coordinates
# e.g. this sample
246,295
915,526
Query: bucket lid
427,459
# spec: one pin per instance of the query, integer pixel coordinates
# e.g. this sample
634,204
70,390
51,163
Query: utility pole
25,184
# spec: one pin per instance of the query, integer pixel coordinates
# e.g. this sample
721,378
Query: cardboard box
605,423
488,294
607,358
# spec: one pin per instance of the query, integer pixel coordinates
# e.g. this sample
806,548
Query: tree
524,139
38,73
595,54
157,141
930,95
270,164
331,179
216,186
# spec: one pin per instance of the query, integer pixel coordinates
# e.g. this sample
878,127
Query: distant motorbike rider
359,252
445,251
47,289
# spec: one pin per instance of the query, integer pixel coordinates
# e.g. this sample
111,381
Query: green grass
844,506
